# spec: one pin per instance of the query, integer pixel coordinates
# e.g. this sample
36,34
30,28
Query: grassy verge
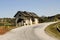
52,30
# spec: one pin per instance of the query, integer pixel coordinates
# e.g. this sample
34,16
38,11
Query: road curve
33,32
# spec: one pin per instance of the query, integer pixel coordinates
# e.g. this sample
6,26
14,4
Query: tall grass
52,30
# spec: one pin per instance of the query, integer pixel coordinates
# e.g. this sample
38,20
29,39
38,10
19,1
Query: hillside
52,30
7,21
50,18
6,24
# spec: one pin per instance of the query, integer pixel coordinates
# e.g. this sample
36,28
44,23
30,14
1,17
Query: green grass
52,30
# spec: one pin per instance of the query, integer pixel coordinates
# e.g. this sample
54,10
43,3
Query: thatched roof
27,14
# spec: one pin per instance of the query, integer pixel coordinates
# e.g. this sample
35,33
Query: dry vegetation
5,29
6,24
52,30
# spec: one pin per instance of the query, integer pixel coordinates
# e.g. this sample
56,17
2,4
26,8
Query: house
26,18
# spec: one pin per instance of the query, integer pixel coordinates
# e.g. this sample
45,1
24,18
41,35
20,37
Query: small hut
26,18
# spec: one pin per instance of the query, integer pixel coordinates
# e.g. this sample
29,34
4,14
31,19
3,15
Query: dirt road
33,32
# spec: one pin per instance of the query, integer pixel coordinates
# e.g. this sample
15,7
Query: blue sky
8,8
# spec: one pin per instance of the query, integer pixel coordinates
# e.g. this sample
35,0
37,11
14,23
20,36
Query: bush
1,24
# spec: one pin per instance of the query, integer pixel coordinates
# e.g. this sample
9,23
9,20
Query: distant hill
55,17
50,18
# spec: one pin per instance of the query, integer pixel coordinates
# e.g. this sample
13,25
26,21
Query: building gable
25,14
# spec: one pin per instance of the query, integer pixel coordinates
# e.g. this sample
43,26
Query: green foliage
50,18
7,22
1,24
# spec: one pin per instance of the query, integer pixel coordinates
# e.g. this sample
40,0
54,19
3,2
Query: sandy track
34,32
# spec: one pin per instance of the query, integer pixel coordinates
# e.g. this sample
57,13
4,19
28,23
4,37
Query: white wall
26,22
16,22
30,22
36,21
